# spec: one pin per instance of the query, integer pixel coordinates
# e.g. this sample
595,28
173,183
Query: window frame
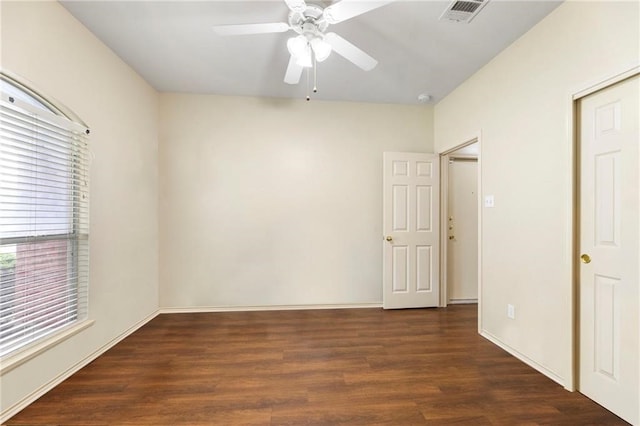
61,116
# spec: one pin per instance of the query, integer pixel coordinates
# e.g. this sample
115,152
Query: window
44,218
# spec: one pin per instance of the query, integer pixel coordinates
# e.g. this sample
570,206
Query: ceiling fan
313,44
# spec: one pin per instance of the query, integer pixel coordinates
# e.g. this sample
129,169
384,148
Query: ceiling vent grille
462,10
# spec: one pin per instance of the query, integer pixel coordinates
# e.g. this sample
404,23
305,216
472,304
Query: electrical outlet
511,311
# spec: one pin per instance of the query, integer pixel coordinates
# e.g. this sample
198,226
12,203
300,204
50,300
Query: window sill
31,352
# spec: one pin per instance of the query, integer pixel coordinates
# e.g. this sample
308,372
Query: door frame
444,214
574,212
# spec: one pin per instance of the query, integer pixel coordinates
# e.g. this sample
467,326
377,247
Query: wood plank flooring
320,367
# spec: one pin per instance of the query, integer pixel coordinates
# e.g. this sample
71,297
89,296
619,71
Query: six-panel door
609,208
411,200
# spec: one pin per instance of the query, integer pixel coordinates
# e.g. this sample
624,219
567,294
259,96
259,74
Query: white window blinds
44,221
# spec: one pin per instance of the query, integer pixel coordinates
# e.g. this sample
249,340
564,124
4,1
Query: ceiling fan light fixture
297,46
304,60
321,48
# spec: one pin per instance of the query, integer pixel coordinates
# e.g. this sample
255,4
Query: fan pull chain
308,97
315,74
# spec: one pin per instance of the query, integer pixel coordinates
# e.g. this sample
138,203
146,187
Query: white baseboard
462,301
32,397
531,363
198,309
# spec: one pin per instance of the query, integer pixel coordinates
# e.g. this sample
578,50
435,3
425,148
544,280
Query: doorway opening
460,230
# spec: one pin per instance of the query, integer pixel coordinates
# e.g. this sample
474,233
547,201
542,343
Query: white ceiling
173,46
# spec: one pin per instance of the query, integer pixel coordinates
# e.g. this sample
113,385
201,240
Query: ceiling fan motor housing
310,22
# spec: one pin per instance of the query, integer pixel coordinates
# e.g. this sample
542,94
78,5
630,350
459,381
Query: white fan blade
296,5
347,9
347,50
294,71
246,29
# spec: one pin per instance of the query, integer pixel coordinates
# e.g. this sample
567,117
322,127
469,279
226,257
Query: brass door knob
585,258
389,239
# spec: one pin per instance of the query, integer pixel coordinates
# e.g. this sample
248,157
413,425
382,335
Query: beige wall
42,43
276,202
520,103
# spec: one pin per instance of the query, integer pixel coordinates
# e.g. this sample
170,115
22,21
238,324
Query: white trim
531,363
33,396
480,215
570,238
467,141
30,352
444,228
47,116
606,82
462,301
53,104
200,309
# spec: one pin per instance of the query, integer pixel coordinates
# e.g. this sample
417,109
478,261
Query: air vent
463,10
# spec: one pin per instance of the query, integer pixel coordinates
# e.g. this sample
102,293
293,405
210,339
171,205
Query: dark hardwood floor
320,367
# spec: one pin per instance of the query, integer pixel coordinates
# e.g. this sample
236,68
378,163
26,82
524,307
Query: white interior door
609,234
411,212
462,230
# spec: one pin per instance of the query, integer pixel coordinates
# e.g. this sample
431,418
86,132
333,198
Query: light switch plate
488,201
